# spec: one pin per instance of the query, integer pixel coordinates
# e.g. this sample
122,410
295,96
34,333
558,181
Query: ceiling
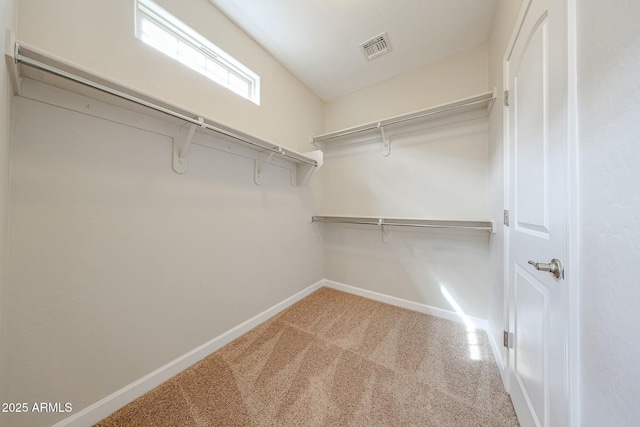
318,40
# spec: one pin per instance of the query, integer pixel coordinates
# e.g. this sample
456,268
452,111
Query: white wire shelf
407,222
481,104
42,65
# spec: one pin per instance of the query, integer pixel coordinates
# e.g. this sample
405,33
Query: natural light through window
157,28
472,334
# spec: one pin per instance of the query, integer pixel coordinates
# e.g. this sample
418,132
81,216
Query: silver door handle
554,267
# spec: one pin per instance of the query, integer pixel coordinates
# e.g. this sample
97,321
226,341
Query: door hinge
506,217
506,98
507,339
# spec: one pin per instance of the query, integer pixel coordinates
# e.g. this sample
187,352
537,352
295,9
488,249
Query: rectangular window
161,30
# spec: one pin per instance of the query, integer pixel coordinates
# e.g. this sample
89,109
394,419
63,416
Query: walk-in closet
375,213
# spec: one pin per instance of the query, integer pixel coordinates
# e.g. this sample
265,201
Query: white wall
432,172
609,205
119,265
101,37
7,20
503,23
455,77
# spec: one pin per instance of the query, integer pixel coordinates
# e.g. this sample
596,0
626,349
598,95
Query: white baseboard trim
410,305
105,407
497,355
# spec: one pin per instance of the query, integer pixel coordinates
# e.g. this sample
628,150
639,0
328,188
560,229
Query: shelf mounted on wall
480,104
407,222
19,55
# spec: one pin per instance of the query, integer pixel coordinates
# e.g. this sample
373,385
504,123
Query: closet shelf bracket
385,141
259,166
385,231
180,150
12,52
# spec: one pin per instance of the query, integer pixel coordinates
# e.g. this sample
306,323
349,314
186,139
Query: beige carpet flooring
335,359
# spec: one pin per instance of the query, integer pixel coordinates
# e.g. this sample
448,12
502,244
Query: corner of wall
8,12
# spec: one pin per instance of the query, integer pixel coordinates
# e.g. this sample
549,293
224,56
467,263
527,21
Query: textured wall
609,198
503,23
101,36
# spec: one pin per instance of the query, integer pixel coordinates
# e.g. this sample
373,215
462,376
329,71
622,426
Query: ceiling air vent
377,46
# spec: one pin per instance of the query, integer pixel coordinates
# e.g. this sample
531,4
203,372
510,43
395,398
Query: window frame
151,12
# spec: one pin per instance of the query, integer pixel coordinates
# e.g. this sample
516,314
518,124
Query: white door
537,132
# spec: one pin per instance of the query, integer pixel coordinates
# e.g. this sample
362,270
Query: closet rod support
385,231
259,166
12,53
385,141
180,151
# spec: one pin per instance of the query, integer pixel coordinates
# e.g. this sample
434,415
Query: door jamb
573,239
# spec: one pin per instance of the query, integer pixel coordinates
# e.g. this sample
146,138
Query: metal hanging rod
485,98
404,222
21,59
